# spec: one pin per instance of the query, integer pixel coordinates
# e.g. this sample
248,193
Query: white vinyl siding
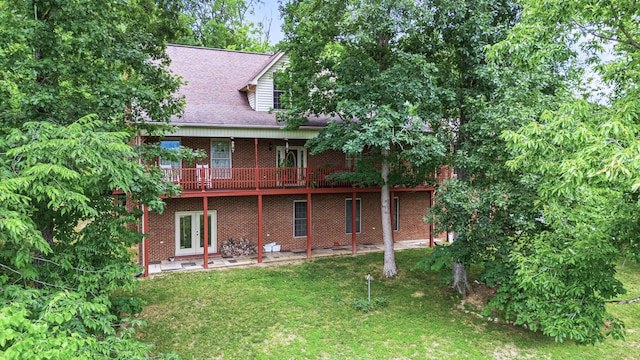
264,89
249,132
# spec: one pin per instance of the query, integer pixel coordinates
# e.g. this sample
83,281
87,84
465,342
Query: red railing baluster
202,179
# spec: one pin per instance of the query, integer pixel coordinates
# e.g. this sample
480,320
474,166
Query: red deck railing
203,178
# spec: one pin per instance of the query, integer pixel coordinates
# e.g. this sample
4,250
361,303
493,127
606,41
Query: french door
190,232
294,161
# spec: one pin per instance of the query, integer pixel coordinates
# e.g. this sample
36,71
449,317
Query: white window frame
350,161
281,155
166,164
347,215
277,94
218,172
305,219
195,232
396,214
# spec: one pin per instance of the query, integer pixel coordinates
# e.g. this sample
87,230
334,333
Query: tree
582,152
79,81
482,205
348,60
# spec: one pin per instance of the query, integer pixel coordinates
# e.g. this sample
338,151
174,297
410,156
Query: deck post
257,171
205,212
353,223
431,221
308,225
259,228
145,241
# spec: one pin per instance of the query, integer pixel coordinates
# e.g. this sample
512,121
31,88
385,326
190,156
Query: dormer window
277,96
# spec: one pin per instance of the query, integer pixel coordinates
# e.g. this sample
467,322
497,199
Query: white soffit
260,133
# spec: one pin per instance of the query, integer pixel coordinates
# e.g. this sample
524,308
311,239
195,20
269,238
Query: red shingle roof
214,78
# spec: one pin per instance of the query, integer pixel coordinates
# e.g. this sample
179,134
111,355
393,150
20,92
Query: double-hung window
171,144
396,211
277,98
221,159
348,216
299,218
171,167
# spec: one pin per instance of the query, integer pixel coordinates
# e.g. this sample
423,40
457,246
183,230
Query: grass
305,311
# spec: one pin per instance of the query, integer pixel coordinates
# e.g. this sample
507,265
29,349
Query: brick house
258,181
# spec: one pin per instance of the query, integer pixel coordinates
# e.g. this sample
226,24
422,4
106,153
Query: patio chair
203,174
170,173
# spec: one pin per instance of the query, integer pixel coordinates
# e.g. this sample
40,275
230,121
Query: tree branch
631,40
623,302
11,269
73,267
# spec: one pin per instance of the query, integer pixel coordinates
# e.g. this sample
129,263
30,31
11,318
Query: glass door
293,164
190,232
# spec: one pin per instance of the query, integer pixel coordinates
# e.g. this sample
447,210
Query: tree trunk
389,270
459,279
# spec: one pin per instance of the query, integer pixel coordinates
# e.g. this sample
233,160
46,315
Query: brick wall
244,154
237,217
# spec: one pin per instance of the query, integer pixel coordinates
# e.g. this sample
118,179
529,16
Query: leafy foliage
578,151
80,80
220,24
548,227
486,205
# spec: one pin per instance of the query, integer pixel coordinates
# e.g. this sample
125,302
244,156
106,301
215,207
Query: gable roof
255,77
214,81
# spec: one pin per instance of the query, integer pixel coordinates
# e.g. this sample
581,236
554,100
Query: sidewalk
158,267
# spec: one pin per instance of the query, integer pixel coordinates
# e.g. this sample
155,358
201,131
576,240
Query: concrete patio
158,267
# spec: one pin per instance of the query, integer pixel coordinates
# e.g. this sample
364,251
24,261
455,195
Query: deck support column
308,225
205,213
431,221
257,171
259,228
393,218
145,240
353,223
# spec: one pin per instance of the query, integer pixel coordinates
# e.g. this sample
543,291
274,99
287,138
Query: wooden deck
203,178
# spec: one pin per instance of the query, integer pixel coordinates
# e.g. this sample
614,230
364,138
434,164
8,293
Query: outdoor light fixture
286,146
270,146
233,145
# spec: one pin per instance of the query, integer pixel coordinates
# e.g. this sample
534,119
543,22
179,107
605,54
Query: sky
269,10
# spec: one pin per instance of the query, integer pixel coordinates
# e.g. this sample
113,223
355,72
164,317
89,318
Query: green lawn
304,311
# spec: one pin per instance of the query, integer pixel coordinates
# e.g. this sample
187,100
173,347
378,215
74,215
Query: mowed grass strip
304,311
